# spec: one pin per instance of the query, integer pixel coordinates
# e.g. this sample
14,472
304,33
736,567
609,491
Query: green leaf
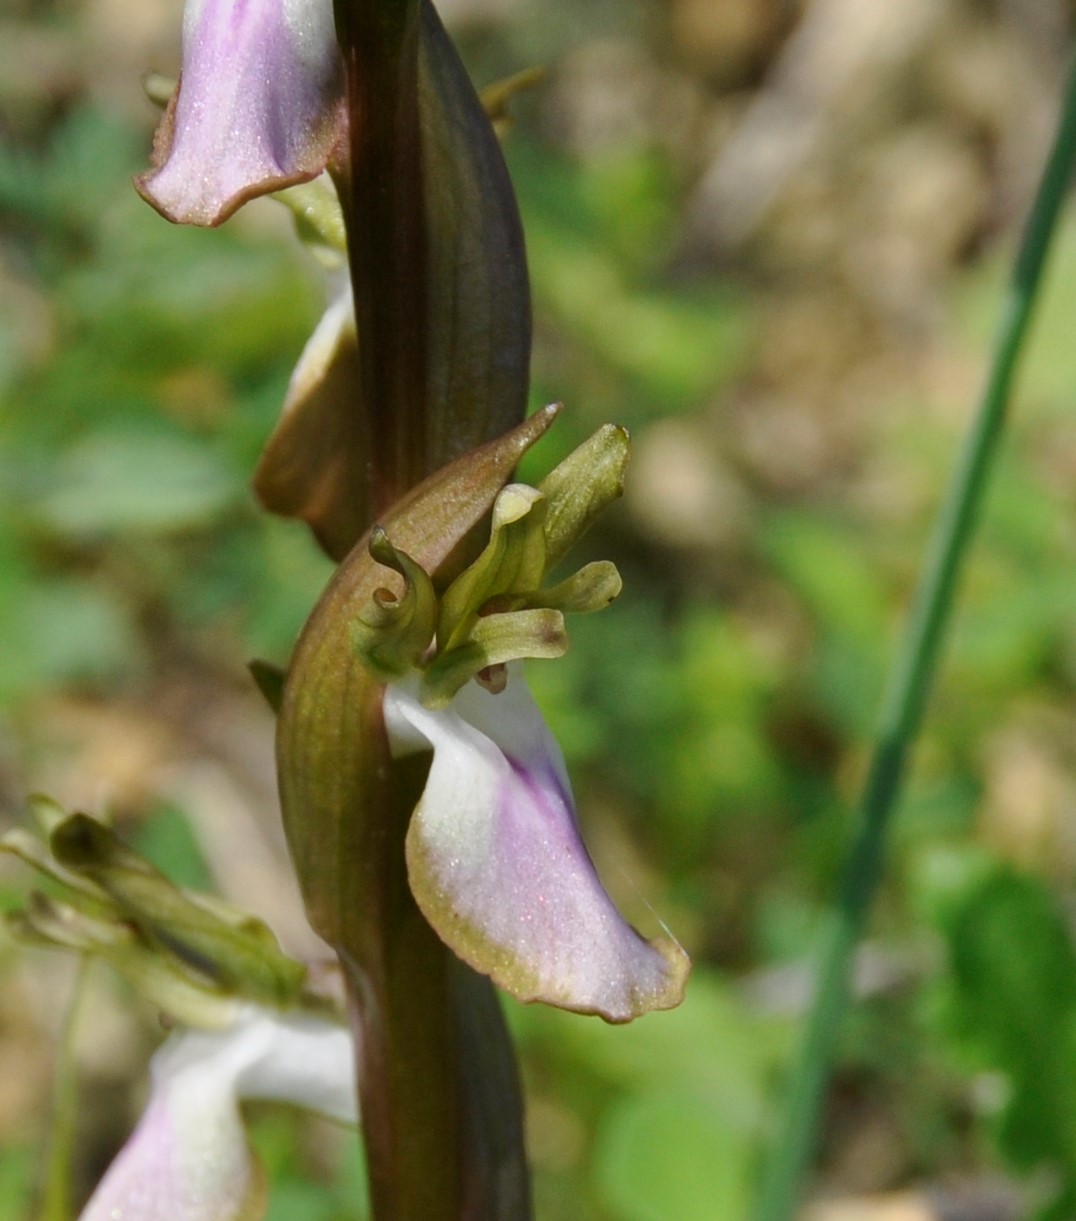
115,482
672,1154
1014,999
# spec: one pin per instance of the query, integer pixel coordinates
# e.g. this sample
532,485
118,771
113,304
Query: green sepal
495,97
514,560
33,852
590,589
193,955
174,988
49,921
48,814
394,629
494,640
319,219
582,486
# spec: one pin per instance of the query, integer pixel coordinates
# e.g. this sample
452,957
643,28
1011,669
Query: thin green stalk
56,1183
909,688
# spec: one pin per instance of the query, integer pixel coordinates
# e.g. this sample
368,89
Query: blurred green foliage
716,722
127,447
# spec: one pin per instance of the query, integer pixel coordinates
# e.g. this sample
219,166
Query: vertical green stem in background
908,690
56,1184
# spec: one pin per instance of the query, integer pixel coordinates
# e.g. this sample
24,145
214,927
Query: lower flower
188,1158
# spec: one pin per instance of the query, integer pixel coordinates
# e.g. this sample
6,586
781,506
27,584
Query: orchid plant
426,804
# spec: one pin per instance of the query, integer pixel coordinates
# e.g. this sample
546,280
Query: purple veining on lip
498,866
259,106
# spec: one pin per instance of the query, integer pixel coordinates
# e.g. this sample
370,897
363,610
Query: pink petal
188,1158
497,865
259,106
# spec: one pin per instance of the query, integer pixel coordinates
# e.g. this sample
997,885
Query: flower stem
438,1089
387,248
909,688
56,1184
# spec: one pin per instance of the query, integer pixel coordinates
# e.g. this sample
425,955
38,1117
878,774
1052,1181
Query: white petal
188,1159
304,1060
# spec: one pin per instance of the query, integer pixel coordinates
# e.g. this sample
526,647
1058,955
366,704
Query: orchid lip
498,867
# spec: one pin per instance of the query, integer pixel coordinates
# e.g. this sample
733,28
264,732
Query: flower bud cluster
195,957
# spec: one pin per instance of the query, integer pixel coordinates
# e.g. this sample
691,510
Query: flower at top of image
259,106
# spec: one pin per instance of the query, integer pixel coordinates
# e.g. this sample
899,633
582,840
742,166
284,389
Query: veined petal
497,865
188,1158
259,106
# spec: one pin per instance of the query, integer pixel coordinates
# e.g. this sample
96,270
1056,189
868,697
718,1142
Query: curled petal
259,107
188,1158
314,465
499,870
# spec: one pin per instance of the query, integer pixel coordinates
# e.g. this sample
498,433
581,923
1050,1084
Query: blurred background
769,236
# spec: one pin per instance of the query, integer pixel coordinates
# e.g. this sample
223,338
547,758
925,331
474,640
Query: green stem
56,1185
909,688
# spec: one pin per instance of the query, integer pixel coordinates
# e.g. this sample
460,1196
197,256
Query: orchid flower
494,854
248,1025
259,106
188,1158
